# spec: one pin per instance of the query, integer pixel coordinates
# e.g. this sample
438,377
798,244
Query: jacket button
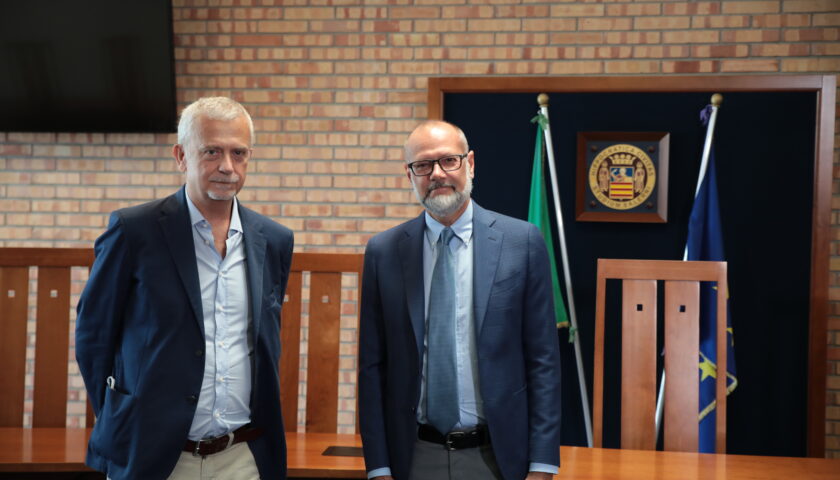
192,399
199,353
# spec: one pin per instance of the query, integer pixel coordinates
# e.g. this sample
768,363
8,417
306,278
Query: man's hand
539,476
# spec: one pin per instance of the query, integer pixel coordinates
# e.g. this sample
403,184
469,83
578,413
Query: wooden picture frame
640,158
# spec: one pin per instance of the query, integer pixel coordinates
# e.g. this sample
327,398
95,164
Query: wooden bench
50,446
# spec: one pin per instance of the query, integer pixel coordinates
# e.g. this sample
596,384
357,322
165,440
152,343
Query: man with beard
459,366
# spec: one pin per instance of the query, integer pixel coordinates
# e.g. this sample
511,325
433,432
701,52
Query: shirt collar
463,227
196,217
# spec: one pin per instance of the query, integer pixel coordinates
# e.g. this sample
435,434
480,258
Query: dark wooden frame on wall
825,88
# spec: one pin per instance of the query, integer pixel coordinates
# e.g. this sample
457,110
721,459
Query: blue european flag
705,242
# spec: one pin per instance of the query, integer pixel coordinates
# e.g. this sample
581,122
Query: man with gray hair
177,335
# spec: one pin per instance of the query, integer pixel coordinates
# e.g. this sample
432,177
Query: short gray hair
216,108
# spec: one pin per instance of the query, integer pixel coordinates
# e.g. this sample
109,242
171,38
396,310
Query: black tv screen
86,66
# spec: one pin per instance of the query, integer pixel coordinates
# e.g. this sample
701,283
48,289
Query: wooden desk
63,450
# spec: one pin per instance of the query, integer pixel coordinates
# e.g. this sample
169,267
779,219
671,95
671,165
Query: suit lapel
411,255
255,255
177,229
488,248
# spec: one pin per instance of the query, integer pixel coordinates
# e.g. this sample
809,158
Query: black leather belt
455,440
209,446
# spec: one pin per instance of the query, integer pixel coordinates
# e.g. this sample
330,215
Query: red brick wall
335,85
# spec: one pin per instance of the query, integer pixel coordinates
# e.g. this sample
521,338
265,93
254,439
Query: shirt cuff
541,467
379,472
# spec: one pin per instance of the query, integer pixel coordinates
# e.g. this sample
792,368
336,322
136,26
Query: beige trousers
234,463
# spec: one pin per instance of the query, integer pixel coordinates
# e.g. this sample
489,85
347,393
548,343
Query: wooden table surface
54,450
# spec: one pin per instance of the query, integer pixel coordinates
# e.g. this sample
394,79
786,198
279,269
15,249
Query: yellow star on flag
708,369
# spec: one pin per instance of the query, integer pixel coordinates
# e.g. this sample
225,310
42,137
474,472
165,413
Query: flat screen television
86,66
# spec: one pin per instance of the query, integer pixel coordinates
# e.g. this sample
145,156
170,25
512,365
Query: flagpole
542,100
717,99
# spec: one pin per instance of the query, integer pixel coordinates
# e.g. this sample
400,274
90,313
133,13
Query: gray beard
444,205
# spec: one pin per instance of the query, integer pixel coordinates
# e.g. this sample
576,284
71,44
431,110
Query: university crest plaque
622,177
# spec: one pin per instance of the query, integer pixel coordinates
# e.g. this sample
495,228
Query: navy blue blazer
140,320
518,350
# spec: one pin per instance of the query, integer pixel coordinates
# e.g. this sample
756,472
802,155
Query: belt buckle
197,447
229,436
451,437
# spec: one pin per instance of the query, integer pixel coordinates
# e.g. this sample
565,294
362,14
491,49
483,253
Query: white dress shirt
224,401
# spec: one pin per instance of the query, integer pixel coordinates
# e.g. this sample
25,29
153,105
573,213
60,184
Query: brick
810,6
520,68
370,12
661,51
576,68
721,21
826,49
605,24
494,25
364,211
415,12
810,65
15,149
661,23
577,10
331,195
812,35
549,24
786,20
702,66
631,66
393,26
720,51
468,39
691,8
633,38
281,26
633,10
696,36
415,39
822,20
749,36
779,50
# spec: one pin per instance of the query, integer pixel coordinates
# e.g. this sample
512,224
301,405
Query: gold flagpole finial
717,99
542,100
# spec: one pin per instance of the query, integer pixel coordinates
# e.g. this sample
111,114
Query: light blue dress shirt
469,397
223,404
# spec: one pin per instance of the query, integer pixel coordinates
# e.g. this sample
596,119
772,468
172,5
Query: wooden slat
290,352
51,347
638,364
46,257
14,292
661,269
682,340
598,363
322,357
327,262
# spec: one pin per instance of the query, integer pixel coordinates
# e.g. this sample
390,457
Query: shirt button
216,414
192,399
199,353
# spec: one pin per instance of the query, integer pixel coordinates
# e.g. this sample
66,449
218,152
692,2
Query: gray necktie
441,380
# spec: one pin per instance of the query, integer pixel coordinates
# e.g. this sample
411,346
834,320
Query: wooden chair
322,375
639,351
52,334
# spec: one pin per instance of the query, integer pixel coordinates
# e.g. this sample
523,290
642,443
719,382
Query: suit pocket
507,284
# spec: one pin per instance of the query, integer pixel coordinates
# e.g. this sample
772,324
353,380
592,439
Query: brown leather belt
209,446
455,440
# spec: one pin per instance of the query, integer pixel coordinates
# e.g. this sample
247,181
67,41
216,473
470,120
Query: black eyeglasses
423,168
